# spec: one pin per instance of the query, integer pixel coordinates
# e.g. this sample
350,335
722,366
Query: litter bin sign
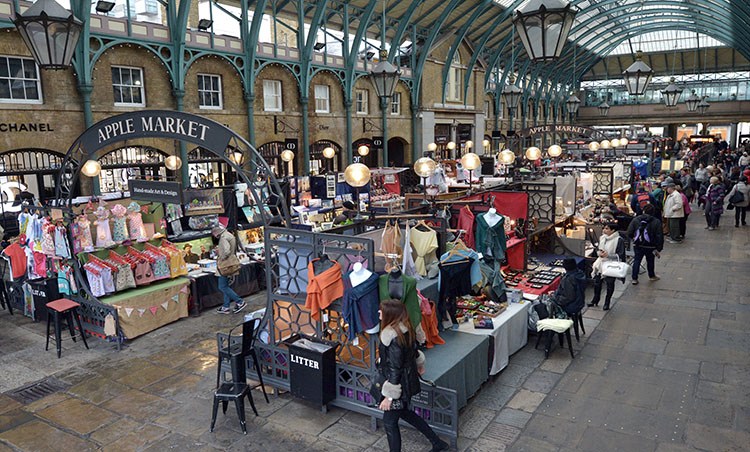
312,369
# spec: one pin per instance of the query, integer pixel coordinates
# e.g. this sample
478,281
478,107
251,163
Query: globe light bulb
91,168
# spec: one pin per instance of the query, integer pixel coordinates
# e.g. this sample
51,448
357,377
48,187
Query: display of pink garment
466,222
135,223
84,233
103,233
48,239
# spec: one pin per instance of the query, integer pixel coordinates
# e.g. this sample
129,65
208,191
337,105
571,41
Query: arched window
454,79
120,165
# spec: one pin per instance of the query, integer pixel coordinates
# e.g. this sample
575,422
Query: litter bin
312,369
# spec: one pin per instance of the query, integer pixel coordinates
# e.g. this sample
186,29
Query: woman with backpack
648,240
714,203
740,212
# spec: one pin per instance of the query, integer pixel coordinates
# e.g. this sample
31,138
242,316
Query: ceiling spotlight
205,24
103,6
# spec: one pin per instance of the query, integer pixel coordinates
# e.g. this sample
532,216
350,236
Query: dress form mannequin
492,217
322,264
395,284
359,274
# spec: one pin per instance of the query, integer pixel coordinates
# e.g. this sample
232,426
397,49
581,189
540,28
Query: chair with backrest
235,350
543,313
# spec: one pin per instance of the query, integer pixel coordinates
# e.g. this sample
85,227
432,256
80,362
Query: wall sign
25,127
377,142
291,144
159,123
158,191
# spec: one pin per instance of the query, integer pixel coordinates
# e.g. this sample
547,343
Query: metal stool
56,311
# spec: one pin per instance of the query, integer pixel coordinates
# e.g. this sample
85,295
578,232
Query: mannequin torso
396,284
492,217
359,274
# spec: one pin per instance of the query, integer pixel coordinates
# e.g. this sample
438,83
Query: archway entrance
231,148
395,152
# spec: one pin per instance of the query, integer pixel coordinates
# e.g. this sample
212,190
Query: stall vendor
190,256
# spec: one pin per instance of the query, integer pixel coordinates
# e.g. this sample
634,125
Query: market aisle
667,367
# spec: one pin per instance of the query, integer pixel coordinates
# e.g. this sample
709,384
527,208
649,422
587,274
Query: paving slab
77,415
526,400
541,381
37,435
513,417
599,439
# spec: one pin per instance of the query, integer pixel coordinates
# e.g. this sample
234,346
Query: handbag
737,197
376,388
615,268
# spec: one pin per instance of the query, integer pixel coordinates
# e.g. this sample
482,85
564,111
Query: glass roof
666,41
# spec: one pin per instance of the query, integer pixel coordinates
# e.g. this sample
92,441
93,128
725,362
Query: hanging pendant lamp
637,76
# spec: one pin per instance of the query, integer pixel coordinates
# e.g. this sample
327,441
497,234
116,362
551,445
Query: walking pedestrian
611,246
714,203
673,212
227,265
740,212
648,241
401,364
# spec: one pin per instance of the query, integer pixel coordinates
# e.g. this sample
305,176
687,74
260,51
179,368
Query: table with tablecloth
204,286
460,363
509,334
147,308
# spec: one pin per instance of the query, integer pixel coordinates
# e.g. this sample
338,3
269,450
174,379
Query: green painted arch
232,62
336,74
289,67
110,45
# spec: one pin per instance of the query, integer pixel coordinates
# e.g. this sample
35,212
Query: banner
157,191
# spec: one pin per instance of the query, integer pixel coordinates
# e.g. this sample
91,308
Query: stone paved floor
665,370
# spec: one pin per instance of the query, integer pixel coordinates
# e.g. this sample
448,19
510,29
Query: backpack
737,197
643,199
642,237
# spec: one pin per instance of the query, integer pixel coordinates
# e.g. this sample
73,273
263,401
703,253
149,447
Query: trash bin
312,369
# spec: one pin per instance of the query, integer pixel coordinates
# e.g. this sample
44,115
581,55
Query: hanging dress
119,227
390,245
61,243
425,243
84,233
408,266
137,229
466,222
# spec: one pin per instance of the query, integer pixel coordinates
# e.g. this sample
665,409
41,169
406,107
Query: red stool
68,309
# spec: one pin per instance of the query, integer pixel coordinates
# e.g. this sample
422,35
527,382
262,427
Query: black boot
440,445
606,306
594,302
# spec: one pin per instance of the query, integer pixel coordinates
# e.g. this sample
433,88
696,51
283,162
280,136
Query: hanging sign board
157,123
377,143
156,191
291,144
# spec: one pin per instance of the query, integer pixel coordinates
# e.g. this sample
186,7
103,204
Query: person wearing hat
673,212
226,249
190,256
570,293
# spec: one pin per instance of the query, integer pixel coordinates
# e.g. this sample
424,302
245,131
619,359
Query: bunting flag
176,298
128,311
165,305
141,311
184,289
153,309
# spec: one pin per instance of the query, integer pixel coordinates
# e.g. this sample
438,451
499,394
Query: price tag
355,342
325,317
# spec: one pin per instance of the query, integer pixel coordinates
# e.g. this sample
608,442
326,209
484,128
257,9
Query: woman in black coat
401,364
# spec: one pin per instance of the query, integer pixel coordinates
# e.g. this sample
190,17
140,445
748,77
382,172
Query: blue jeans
640,253
229,294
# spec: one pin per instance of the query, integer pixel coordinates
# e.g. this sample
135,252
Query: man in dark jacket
641,198
648,240
569,295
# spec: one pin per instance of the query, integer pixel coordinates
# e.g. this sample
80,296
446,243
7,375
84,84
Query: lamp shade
432,147
703,105
363,150
357,175
692,102
594,146
511,94
614,142
385,76
424,167
91,168
533,153
554,151
603,108
671,94
329,152
173,162
469,144
543,26
287,155
50,32
486,144
451,145
471,161
637,76
572,104
237,157
605,144
507,157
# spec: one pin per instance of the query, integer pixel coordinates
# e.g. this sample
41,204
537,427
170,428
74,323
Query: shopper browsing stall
227,265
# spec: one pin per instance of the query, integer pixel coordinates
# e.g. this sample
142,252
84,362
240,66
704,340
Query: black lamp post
544,26
603,108
572,104
385,77
671,94
50,32
692,102
637,76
